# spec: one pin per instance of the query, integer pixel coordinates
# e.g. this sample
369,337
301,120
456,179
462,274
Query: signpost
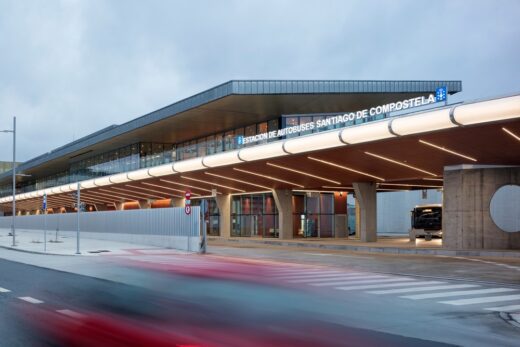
78,207
187,202
44,205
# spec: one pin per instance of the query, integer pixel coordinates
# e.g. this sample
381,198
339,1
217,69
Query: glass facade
254,215
211,216
313,215
147,154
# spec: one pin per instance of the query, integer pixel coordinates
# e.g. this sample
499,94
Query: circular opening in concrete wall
505,208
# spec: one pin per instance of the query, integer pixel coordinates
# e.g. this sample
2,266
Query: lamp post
13,229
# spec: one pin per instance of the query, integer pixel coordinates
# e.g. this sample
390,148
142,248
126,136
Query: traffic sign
44,201
187,209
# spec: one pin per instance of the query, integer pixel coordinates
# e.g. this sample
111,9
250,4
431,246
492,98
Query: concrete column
366,196
119,206
466,217
177,202
224,207
283,199
144,204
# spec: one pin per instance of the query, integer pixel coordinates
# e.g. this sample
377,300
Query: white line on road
31,300
510,308
458,293
362,282
337,278
483,300
310,275
3,290
389,285
70,313
423,289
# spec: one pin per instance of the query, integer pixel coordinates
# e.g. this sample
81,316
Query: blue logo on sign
240,140
441,94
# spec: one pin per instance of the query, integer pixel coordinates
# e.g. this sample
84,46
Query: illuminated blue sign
441,94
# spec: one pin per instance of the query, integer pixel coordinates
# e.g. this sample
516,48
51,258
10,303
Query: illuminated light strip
130,192
391,190
432,179
269,177
213,184
447,150
153,190
409,185
83,197
100,198
237,180
332,187
511,133
185,185
345,168
167,188
304,173
400,163
115,196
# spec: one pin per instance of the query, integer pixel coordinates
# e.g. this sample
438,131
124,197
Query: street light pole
14,182
13,228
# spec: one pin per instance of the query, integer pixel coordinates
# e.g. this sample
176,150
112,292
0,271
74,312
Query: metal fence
162,227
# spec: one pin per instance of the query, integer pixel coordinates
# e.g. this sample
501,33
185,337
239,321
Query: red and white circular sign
187,209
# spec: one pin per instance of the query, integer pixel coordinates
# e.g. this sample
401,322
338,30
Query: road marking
458,293
504,308
388,285
483,300
423,289
70,313
311,275
303,277
3,290
337,278
362,282
31,300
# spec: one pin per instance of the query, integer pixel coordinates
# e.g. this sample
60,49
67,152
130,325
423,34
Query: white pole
13,230
44,222
78,208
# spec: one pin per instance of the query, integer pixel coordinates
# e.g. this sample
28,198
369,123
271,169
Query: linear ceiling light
168,188
303,173
400,163
237,180
345,168
117,197
332,187
213,184
130,192
432,179
269,177
185,185
151,190
511,133
100,197
409,185
447,150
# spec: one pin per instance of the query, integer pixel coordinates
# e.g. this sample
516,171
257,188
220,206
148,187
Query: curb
376,249
36,252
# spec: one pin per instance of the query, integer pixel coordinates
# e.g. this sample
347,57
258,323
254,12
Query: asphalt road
332,304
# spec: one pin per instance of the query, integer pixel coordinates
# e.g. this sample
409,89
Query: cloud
69,68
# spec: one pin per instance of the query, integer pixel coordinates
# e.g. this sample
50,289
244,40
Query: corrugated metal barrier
162,227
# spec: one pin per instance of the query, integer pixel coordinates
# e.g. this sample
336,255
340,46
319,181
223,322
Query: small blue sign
240,140
441,94
44,201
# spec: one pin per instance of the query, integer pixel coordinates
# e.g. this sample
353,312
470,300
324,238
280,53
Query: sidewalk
32,241
384,244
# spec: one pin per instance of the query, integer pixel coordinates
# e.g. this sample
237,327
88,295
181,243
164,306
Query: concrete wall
467,222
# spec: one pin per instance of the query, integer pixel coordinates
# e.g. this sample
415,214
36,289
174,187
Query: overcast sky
69,68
